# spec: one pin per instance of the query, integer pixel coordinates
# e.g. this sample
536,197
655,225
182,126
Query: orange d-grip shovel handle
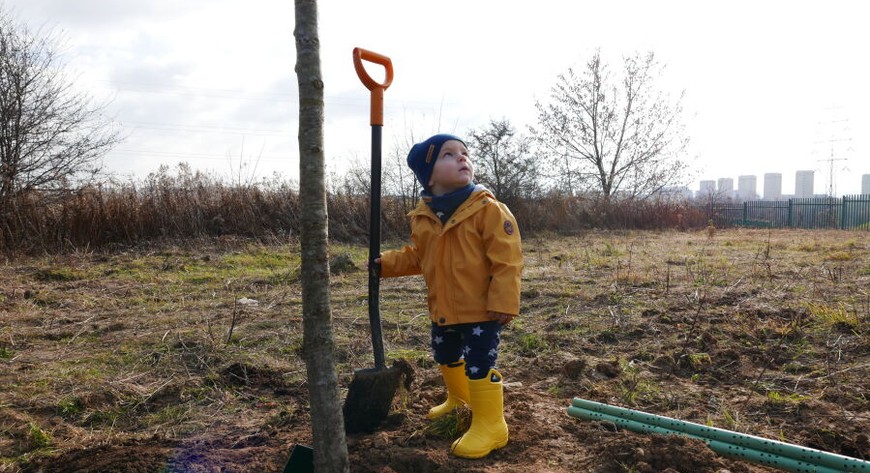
377,89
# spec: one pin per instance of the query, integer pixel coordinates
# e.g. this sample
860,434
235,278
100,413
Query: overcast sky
771,86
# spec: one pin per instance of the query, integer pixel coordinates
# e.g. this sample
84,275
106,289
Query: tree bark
327,423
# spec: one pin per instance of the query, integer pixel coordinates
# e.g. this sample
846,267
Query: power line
234,94
195,91
231,94
206,128
206,156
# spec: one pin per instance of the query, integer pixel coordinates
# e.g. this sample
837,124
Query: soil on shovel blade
122,363
370,395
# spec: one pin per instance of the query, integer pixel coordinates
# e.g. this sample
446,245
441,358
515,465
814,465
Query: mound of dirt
658,453
117,458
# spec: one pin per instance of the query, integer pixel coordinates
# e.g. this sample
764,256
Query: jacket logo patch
508,227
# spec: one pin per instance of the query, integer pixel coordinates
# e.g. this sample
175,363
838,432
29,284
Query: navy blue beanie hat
423,155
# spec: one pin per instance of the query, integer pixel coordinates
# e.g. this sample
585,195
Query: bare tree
399,180
50,134
609,135
327,422
503,161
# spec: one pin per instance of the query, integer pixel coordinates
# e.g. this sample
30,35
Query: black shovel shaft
375,250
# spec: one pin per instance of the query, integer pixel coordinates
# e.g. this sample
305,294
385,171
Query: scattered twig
668,280
83,330
691,333
865,365
232,322
753,388
149,396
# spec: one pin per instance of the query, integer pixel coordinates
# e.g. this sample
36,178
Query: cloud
758,77
85,14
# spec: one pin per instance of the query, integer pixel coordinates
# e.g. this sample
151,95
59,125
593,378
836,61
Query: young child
467,247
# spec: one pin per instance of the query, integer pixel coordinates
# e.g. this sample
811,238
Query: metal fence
848,212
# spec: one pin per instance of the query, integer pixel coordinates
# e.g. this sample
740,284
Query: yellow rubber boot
457,390
488,429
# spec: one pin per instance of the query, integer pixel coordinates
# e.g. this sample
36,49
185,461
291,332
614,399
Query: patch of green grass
272,266
283,277
70,407
699,360
530,344
109,417
780,399
451,425
38,437
260,258
692,362
420,356
173,415
58,274
294,348
794,367
138,269
633,386
598,262
830,315
731,420
610,250
6,353
615,298
201,280
838,256
556,390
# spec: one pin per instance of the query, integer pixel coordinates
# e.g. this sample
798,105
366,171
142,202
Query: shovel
371,391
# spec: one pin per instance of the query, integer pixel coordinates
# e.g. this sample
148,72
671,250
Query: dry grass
764,332
175,204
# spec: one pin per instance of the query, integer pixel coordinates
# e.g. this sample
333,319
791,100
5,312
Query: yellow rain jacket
471,264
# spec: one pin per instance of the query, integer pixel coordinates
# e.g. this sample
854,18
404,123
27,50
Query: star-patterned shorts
477,343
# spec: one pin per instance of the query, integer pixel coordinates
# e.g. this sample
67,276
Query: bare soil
185,357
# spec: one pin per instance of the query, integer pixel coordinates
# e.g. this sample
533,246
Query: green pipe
805,454
723,448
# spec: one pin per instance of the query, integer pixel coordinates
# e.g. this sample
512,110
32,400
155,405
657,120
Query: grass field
184,357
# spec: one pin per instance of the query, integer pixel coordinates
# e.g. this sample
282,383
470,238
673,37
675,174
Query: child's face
453,169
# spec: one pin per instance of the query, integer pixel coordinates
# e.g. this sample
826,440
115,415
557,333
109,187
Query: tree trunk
327,423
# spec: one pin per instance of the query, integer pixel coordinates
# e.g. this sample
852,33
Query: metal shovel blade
301,460
369,398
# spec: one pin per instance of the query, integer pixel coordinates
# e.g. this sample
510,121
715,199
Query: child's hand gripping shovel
371,391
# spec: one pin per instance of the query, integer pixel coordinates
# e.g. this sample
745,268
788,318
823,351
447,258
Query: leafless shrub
180,203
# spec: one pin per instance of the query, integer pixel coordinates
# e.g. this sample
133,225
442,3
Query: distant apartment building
725,187
772,186
803,183
747,188
706,188
865,184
